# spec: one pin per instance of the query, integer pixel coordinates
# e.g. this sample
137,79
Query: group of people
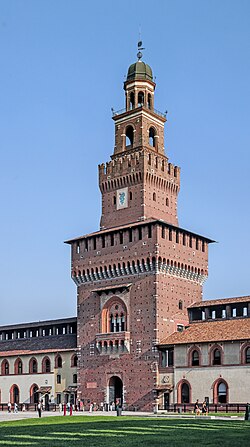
93,406
203,410
15,407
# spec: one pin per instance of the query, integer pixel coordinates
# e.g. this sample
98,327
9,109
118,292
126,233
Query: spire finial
139,54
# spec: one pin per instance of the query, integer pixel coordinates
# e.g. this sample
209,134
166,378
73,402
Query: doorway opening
166,401
115,390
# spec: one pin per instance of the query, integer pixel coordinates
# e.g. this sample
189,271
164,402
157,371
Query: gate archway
14,394
115,390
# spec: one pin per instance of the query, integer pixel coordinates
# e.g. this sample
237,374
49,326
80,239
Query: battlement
144,161
122,163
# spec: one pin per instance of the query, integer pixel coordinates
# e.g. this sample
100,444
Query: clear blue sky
62,67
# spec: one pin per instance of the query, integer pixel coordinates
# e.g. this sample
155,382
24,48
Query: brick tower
136,276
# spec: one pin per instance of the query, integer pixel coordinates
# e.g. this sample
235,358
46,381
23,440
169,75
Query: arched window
216,357
5,368
154,196
140,99
129,136
18,366
180,305
167,201
111,327
114,316
247,355
122,322
152,137
74,360
132,100
195,358
58,361
149,101
185,393
117,323
130,195
46,365
114,200
33,366
74,378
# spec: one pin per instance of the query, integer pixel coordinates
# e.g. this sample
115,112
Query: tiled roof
29,352
222,301
53,342
137,224
212,331
41,324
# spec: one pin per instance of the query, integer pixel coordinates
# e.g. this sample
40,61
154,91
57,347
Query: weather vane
139,54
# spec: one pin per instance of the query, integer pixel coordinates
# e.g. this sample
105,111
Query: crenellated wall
153,186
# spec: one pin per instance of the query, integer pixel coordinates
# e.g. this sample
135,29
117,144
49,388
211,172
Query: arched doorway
220,391
184,395
34,397
14,394
115,390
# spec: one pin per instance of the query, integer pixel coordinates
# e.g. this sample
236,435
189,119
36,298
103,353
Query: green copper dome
139,70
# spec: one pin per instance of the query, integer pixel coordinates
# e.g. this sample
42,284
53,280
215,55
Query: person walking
15,408
9,407
204,408
197,408
39,409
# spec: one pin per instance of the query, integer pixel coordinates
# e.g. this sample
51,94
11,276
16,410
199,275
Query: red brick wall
153,308
154,184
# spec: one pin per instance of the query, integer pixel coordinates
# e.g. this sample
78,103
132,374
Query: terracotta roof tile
136,224
212,331
240,299
35,352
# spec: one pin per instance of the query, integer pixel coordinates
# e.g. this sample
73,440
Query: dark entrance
185,393
166,401
16,395
34,397
46,403
115,390
222,393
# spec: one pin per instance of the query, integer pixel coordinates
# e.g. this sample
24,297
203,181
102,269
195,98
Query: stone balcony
113,343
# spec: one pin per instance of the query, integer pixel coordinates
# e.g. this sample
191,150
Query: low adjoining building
210,359
38,361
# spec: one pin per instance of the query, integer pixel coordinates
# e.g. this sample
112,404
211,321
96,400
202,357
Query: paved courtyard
5,416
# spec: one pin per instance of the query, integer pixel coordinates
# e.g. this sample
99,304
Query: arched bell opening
131,101
140,99
129,136
152,137
149,103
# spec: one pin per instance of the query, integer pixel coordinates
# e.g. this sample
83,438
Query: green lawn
123,432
